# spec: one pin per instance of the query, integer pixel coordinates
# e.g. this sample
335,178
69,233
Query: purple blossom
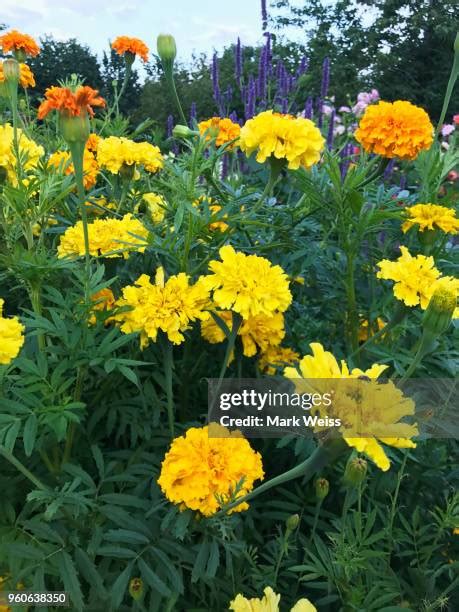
225,166
330,133
346,152
249,109
216,81
233,117
193,113
284,105
262,74
238,61
303,67
169,126
325,78
389,169
264,15
308,108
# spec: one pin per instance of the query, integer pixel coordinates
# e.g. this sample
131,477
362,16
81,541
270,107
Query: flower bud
167,50
355,472
439,313
74,129
136,588
127,172
322,487
182,131
292,522
20,55
11,70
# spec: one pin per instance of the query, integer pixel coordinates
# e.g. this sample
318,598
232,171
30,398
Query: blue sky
201,25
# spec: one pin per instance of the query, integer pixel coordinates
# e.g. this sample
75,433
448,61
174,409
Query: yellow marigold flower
248,284
169,306
268,603
29,152
12,337
134,46
223,130
115,153
363,405
413,276
275,357
103,300
430,217
107,238
395,129
61,160
155,205
26,77
201,469
99,206
258,332
294,139
365,333
214,208
93,142
17,42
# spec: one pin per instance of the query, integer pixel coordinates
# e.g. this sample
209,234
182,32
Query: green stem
322,456
35,299
352,317
398,316
449,90
424,347
168,368
19,466
171,82
267,192
316,516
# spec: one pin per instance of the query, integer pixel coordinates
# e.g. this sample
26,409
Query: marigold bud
127,172
11,70
136,588
355,472
74,129
167,50
182,131
322,488
439,312
292,522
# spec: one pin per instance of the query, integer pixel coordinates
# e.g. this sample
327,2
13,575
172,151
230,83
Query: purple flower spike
284,106
264,15
262,70
308,108
389,169
238,62
251,99
170,126
325,78
193,113
216,81
303,67
225,167
331,125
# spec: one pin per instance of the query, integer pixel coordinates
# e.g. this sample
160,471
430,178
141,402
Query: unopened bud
136,588
11,70
167,50
74,129
182,131
127,172
292,522
440,311
355,472
322,487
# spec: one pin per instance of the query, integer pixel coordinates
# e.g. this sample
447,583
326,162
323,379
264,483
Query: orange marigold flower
26,77
70,103
224,130
62,160
126,44
16,41
93,142
395,129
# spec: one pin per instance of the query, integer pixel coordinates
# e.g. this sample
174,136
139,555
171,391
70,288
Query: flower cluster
116,153
29,152
26,77
14,41
61,160
69,103
130,45
204,467
168,306
430,217
397,129
268,603
222,129
275,357
12,335
293,139
364,405
155,206
107,238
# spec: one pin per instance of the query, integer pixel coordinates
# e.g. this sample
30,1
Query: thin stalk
21,468
168,368
424,347
35,299
316,516
171,82
449,90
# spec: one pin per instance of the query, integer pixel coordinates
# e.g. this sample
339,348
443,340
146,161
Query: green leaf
119,587
153,579
29,434
70,578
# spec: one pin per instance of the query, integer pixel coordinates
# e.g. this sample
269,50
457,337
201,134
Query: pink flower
452,176
347,109
374,95
456,119
447,129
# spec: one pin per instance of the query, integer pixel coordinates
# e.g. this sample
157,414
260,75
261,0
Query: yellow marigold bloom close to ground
107,238
11,335
200,469
169,306
61,160
413,277
395,129
155,205
258,332
362,404
248,284
430,217
276,356
16,41
268,603
284,137
127,44
26,77
29,152
222,129
113,153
